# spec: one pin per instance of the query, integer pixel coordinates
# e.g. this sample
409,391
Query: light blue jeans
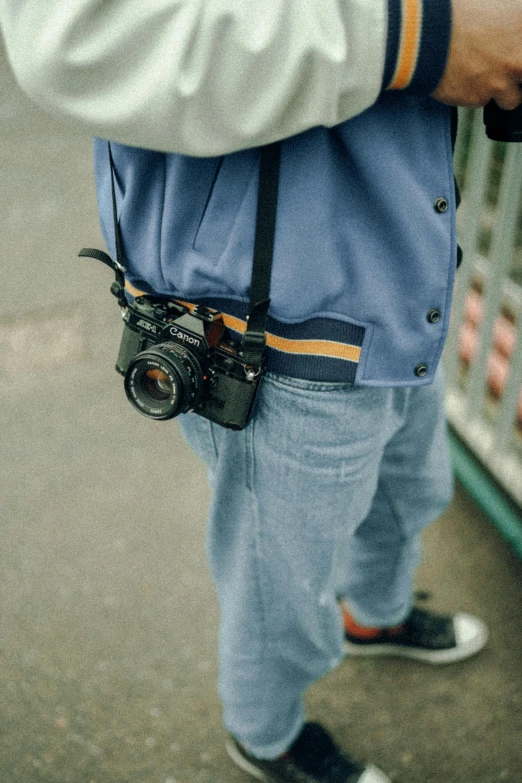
322,496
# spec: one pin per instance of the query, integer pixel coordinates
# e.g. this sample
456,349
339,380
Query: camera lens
157,384
164,381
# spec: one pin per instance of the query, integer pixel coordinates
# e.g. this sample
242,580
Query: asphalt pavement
108,616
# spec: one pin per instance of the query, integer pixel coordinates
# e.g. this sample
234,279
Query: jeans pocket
199,435
316,452
306,385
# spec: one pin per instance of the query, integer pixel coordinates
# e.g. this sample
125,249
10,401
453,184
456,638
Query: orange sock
364,631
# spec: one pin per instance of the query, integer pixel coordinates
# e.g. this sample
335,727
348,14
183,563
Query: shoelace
429,630
316,754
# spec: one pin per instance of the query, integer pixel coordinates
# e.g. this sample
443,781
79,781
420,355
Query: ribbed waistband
317,349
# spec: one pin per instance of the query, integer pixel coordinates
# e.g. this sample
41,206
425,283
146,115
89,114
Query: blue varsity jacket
365,248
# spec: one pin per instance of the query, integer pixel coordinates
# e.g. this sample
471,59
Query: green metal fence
483,356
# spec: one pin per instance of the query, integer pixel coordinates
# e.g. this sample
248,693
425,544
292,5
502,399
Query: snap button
433,316
421,370
441,205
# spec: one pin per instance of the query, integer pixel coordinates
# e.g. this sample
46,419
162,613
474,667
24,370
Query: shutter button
441,205
433,316
421,370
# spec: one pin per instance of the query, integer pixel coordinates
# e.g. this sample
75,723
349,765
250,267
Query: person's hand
485,56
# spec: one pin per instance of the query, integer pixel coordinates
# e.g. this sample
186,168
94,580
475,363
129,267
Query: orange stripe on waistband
133,290
327,348
411,30
136,292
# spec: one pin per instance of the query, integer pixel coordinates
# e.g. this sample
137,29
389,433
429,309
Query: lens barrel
164,381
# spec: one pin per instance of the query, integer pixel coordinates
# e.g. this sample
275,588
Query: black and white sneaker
424,636
313,758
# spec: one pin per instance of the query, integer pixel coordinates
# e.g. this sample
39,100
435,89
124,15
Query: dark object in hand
501,124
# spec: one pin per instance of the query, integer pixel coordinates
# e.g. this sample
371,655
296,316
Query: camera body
177,359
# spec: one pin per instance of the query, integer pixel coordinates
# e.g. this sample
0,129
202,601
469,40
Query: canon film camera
175,360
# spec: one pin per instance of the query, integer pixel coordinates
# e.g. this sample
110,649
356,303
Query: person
318,503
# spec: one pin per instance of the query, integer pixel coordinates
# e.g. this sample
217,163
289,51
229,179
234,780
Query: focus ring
164,381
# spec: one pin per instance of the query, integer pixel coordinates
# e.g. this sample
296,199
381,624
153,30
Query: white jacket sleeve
200,77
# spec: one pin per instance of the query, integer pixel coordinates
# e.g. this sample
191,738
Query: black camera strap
254,340
118,287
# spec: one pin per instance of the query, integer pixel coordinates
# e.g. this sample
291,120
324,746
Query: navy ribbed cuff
417,45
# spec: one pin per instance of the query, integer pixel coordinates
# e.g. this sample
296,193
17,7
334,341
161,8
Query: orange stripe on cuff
410,44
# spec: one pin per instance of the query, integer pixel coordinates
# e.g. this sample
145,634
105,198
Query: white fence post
484,374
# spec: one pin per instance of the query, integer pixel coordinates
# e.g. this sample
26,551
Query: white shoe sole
370,775
242,762
471,635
